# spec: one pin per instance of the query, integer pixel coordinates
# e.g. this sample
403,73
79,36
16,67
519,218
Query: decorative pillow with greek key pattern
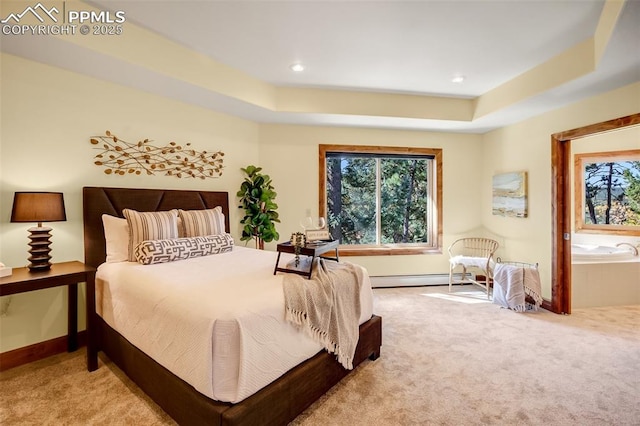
162,251
197,223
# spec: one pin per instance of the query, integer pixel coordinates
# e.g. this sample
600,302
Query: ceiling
388,48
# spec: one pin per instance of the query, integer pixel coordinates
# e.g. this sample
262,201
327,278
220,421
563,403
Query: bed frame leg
92,360
374,355
92,345
92,323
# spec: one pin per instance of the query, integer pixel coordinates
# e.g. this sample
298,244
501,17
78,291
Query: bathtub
604,275
584,253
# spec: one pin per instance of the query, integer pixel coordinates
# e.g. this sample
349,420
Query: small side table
65,273
311,250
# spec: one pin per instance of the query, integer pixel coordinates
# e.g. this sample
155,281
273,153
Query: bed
278,402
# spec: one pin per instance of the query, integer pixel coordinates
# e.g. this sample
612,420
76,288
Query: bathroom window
608,192
382,200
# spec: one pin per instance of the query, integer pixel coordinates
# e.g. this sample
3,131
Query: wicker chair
472,254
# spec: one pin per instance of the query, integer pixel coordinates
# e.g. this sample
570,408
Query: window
382,200
608,192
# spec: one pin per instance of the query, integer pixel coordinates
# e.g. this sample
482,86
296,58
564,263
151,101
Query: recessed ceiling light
457,78
297,67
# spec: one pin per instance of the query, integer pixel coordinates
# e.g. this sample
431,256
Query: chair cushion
468,261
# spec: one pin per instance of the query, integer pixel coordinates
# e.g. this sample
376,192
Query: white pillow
116,235
149,226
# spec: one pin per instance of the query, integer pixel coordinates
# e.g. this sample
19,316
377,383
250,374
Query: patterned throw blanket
327,306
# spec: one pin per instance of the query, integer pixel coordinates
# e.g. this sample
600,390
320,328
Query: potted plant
257,197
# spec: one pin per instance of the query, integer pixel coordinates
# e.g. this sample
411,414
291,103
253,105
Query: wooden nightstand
66,273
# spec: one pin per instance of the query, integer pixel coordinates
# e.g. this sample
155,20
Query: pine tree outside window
608,192
382,200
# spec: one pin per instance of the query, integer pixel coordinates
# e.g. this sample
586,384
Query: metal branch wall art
121,157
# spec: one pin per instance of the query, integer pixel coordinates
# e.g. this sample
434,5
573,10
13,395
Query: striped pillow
161,251
198,223
150,226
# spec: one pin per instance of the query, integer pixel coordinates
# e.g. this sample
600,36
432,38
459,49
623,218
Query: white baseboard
414,280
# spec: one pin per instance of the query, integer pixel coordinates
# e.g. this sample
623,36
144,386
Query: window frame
580,160
436,205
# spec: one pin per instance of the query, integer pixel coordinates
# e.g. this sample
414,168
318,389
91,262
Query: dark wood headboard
97,201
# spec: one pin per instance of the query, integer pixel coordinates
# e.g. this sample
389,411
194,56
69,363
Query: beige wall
49,114
527,146
47,118
290,155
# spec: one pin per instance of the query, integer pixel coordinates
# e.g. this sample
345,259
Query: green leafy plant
257,197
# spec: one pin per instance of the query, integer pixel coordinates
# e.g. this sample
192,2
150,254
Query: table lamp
38,207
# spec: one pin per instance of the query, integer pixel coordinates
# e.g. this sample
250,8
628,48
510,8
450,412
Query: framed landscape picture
510,194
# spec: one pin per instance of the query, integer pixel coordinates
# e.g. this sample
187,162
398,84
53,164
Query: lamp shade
38,207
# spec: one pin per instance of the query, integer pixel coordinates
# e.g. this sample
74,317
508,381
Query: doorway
561,210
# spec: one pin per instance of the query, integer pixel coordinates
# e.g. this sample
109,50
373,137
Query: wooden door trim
561,206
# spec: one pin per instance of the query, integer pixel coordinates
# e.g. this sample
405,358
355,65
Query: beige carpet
446,360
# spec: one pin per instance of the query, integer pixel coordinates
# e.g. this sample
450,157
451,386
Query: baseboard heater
415,280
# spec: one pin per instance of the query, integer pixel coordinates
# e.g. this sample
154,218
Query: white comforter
217,322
